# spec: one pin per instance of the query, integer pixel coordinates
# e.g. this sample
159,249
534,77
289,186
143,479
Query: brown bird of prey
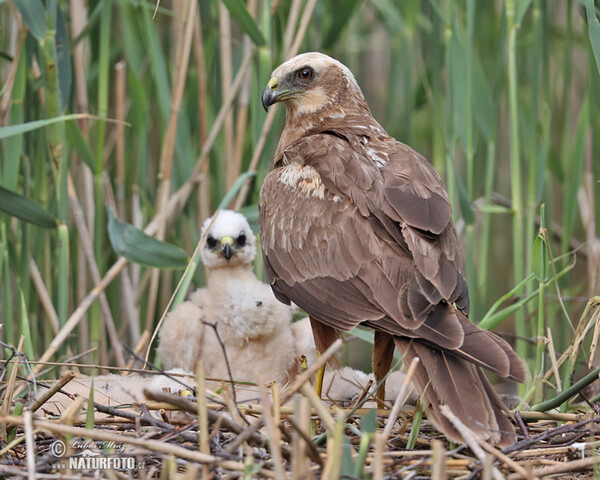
356,229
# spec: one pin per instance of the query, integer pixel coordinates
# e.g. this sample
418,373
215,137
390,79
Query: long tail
447,379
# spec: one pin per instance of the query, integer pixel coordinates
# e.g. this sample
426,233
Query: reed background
502,97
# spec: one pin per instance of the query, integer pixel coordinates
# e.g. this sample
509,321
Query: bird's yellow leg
319,379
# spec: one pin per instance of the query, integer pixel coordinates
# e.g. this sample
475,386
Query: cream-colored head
229,241
313,82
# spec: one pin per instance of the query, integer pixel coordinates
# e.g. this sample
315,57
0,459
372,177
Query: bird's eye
305,73
211,241
241,240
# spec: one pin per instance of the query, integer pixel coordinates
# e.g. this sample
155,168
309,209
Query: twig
521,423
566,467
227,364
400,399
213,417
66,378
507,460
470,439
548,434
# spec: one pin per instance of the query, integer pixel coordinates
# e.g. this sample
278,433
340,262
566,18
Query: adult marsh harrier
356,229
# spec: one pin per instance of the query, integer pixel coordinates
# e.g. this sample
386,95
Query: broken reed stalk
66,378
438,467
272,429
203,443
30,443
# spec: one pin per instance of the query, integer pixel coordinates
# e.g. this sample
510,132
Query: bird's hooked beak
227,243
270,93
277,90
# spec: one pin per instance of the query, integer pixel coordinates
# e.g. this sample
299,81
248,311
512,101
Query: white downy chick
253,325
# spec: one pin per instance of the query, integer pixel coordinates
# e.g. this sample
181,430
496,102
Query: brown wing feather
451,381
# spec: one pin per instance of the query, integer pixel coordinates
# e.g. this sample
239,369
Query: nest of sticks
287,433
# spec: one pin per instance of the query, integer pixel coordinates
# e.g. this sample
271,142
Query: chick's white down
254,327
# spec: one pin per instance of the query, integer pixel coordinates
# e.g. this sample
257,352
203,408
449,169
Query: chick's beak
226,243
270,93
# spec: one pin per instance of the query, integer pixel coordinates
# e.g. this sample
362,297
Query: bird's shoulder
374,170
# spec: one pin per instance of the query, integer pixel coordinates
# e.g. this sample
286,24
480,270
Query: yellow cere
226,239
272,83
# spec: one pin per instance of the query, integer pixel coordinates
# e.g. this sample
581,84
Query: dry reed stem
561,468
301,439
226,75
43,294
154,445
30,443
587,208
378,463
319,406
335,444
553,361
561,417
272,429
204,187
506,460
69,416
88,250
168,149
438,467
400,399
203,444
66,378
470,439
291,22
594,344
120,98
8,394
